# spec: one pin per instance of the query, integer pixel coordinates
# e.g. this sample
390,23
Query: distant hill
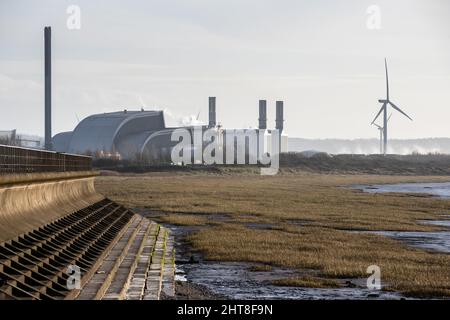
415,164
370,146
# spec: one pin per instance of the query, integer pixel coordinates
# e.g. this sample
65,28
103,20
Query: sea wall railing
24,160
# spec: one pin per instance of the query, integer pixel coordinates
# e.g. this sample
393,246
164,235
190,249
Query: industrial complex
143,134
139,135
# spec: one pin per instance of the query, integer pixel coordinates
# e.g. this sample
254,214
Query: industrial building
124,134
143,135
139,135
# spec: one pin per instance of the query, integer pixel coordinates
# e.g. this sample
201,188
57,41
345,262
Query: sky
324,59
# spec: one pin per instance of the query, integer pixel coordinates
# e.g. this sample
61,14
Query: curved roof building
130,133
143,135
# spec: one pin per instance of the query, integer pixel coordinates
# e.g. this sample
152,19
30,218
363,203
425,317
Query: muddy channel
201,279
434,241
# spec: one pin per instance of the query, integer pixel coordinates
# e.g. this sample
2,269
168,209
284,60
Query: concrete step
161,272
137,284
127,267
99,282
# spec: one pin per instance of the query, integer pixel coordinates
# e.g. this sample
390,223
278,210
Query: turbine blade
378,126
399,110
389,118
379,112
387,79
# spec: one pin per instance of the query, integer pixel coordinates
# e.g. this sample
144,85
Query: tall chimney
262,114
212,112
279,117
48,87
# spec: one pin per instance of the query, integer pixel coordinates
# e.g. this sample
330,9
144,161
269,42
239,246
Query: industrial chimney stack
48,87
279,117
262,114
212,112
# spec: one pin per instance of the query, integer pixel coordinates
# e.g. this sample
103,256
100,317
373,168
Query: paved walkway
139,266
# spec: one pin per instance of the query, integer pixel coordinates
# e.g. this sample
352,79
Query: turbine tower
381,129
384,108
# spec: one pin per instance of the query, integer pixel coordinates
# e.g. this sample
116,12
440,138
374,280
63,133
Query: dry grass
184,219
307,281
261,268
312,214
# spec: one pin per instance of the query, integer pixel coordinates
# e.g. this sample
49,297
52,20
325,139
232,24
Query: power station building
124,134
143,135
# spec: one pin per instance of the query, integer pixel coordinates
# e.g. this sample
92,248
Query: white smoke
176,120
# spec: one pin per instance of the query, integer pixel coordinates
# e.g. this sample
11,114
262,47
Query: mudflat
300,221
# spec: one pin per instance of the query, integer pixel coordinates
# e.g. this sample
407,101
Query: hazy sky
318,56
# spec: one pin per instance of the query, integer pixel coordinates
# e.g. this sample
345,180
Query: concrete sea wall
28,201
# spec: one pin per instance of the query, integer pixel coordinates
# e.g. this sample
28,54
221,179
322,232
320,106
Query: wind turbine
386,103
381,129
